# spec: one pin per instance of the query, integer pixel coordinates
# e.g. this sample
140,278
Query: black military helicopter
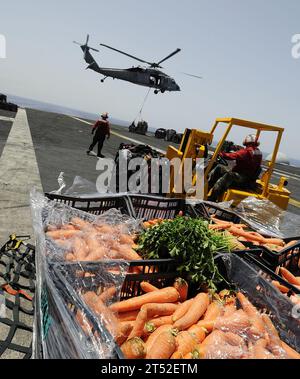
144,76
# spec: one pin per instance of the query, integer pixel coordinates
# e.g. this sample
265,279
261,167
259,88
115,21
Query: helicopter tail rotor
87,55
85,47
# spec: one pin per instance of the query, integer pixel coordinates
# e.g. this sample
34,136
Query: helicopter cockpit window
154,81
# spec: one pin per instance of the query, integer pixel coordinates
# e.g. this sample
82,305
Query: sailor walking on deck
101,130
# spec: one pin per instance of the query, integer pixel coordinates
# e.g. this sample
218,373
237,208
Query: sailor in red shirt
101,129
245,172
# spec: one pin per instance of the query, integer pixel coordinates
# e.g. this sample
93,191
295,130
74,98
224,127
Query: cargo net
17,287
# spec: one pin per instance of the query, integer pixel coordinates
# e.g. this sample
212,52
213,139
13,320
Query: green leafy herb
191,243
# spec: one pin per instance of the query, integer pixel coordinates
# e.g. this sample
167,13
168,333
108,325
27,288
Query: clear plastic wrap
267,299
72,315
264,216
81,188
267,217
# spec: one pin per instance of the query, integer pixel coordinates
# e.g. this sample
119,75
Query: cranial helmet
251,139
104,115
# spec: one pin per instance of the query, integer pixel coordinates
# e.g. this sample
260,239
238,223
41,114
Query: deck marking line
123,137
19,173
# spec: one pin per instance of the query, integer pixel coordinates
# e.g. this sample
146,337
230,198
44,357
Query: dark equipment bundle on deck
131,151
6,105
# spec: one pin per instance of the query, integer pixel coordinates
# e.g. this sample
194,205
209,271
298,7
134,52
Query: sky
242,49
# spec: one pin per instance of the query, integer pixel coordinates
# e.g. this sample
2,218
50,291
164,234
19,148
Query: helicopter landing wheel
156,92
163,91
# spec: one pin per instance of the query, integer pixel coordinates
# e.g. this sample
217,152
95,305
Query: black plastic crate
288,258
68,281
159,272
95,206
265,271
152,207
206,210
241,275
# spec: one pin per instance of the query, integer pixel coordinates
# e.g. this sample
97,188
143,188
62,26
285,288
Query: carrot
279,286
290,244
181,286
207,325
291,353
129,254
274,340
123,331
257,327
215,346
220,226
260,351
289,277
229,310
79,223
165,295
62,234
250,237
234,339
148,287
96,255
70,257
134,349
155,323
83,322
213,311
128,316
193,354
51,228
107,294
152,338
194,313
181,310
102,311
67,227
295,299
163,346
197,332
148,311
125,239
274,241
238,321
79,248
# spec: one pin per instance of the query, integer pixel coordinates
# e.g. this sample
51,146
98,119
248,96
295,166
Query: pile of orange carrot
163,324
243,234
86,241
290,278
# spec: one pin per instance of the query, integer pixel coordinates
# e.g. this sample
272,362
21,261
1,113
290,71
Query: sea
47,107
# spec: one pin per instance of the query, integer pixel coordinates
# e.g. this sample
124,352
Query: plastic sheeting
72,315
266,298
268,218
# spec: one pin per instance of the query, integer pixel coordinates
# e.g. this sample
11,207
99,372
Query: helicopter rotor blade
122,52
192,75
77,43
87,39
166,58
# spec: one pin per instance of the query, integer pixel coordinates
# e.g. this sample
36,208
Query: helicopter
150,76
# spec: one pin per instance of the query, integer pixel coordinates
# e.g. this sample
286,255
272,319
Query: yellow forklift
195,144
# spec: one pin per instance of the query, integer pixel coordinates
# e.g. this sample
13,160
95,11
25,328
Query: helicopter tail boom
87,56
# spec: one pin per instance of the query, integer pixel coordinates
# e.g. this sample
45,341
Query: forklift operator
244,173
